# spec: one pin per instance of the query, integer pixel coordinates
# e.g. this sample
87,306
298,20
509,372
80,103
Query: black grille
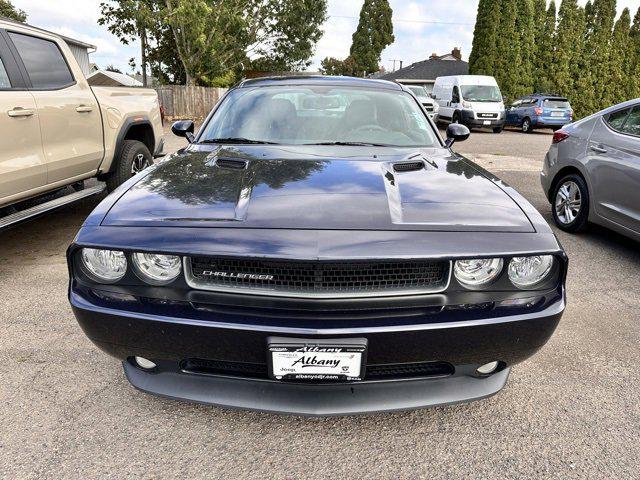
319,278
488,115
373,372
428,107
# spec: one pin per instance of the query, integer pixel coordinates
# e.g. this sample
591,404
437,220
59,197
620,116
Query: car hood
319,187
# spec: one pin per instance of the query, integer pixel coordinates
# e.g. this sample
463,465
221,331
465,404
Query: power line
431,22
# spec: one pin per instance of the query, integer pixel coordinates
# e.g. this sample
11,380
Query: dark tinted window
455,97
556,103
616,119
4,78
43,60
632,125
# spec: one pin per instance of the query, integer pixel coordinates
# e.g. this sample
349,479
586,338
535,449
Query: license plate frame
309,360
486,122
557,114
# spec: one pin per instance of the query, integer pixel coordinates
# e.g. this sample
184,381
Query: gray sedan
592,171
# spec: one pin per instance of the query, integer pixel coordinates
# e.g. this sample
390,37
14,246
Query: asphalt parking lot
572,411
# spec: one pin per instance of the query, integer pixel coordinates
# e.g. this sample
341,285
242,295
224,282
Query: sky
421,27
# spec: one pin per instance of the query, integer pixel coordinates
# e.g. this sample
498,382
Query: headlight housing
156,269
529,271
478,271
104,266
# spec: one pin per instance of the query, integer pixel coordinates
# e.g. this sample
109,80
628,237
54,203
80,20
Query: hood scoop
408,166
231,163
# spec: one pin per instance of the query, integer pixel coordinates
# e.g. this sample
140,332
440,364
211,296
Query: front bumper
469,119
171,332
315,400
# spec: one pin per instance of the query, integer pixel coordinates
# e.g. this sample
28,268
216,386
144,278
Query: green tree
633,86
7,10
525,28
482,59
335,66
544,58
212,42
593,82
373,35
569,44
620,60
507,65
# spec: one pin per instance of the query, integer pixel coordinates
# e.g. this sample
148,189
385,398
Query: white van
473,100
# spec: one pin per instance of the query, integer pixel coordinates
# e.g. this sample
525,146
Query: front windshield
481,93
312,115
418,91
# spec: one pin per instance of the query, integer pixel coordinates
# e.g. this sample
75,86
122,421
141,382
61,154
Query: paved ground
572,411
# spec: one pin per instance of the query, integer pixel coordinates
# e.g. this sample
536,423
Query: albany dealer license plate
338,360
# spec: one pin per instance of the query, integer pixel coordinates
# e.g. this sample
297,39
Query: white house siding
82,56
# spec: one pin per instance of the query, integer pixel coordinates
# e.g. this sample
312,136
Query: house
424,73
80,50
106,78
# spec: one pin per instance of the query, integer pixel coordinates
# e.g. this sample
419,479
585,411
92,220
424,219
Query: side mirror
456,132
184,128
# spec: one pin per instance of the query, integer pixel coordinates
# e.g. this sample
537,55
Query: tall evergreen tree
525,27
544,59
620,60
633,85
485,34
507,65
373,35
569,44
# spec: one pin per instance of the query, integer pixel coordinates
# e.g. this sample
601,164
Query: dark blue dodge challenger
317,249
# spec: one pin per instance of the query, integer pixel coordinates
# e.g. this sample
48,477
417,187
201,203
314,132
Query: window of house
46,67
4,78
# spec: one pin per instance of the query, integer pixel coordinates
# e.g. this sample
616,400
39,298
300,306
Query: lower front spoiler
315,400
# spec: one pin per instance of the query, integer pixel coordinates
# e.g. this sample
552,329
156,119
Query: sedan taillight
559,136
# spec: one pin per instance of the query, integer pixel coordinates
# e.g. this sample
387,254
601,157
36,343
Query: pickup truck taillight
559,136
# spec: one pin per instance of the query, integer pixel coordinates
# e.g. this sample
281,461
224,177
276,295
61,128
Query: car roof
319,80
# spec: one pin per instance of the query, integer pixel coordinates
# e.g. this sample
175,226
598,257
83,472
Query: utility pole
143,54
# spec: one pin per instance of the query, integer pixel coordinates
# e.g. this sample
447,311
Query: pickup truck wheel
134,157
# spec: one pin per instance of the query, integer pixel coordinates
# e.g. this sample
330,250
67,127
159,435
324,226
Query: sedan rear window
311,115
556,103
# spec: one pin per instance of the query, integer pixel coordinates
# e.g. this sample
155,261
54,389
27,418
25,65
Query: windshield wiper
237,140
353,144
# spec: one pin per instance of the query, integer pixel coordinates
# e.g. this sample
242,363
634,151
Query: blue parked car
540,110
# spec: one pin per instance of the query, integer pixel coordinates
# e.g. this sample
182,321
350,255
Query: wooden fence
188,102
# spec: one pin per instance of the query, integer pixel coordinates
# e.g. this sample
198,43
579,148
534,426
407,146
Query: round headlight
528,271
478,271
105,266
157,269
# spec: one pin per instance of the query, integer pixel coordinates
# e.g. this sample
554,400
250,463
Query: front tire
526,125
570,203
498,129
134,157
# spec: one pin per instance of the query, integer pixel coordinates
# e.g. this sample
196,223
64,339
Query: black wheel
526,125
134,157
570,203
498,129
456,118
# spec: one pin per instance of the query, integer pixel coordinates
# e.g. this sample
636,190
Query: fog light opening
488,368
144,363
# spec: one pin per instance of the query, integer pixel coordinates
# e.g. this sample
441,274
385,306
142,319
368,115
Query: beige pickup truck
56,131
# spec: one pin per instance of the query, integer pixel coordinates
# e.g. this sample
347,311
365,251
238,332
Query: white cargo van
473,100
